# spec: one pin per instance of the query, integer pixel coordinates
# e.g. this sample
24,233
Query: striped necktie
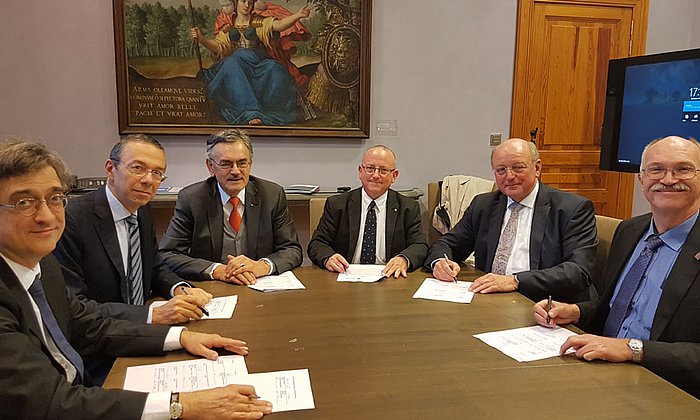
135,274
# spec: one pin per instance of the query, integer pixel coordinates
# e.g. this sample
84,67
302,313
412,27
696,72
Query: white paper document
287,390
219,307
188,375
284,281
435,289
528,343
365,273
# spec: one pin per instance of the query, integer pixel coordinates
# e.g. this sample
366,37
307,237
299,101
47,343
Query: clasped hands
395,267
241,270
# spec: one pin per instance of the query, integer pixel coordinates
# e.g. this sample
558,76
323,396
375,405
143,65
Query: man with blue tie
649,311
45,330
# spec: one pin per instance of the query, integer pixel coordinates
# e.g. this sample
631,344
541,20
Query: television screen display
647,98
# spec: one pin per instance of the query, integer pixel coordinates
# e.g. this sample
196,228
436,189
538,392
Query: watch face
175,410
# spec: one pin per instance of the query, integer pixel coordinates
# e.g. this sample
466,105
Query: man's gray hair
653,142
231,135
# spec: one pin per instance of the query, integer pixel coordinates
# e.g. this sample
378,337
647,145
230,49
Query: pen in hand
447,260
184,290
549,308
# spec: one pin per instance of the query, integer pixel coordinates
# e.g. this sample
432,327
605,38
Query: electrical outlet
495,139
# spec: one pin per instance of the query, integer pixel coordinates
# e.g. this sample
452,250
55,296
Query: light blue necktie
36,290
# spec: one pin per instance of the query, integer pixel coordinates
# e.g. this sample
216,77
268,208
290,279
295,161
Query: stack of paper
284,281
449,291
528,343
286,390
365,273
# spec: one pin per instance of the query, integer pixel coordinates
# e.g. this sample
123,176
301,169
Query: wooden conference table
374,352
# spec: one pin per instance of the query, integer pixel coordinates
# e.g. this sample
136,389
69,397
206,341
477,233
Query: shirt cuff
210,270
270,263
182,283
149,319
172,339
157,406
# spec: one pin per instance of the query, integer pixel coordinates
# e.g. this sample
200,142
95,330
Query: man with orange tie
233,226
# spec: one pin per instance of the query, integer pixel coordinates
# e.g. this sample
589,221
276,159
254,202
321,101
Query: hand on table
228,402
490,283
397,266
337,263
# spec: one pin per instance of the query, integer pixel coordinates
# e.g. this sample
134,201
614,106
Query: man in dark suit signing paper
526,236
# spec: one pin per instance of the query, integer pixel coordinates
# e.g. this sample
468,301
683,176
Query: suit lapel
21,298
354,217
107,232
392,211
539,222
251,216
145,226
215,218
683,274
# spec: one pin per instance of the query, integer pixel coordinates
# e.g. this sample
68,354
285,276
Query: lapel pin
697,256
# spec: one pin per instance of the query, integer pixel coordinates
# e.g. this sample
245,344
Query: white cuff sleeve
172,340
157,406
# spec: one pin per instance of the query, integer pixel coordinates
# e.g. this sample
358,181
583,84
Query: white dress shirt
520,255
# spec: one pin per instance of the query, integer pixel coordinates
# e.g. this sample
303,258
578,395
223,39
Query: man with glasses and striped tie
650,310
527,236
109,252
45,330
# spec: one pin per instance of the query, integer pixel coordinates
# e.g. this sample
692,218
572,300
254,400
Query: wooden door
562,53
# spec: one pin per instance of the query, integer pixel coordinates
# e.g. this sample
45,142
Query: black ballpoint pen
184,290
549,308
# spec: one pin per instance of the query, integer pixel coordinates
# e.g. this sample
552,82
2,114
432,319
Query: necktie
135,274
234,218
36,290
621,306
505,243
369,237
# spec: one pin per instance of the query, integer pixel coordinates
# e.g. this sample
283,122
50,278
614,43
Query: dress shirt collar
674,238
225,197
25,275
528,201
380,202
119,212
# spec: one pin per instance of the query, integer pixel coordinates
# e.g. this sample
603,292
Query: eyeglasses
681,172
226,164
140,171
516,169
370,170
29,206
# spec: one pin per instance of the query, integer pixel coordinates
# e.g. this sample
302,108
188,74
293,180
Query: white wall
673,25
443,70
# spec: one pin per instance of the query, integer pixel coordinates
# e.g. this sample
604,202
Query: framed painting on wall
294,68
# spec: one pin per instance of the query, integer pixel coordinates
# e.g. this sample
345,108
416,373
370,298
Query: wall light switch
495,139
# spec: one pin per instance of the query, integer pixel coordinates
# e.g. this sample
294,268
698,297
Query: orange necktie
235,218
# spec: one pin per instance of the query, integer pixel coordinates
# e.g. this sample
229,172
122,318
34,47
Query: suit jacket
563,242
91,259
673,348
195,236
339,228
32,384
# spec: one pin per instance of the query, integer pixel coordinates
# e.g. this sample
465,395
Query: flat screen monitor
648,97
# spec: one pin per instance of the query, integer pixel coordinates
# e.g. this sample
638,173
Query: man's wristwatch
175,406
637,348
